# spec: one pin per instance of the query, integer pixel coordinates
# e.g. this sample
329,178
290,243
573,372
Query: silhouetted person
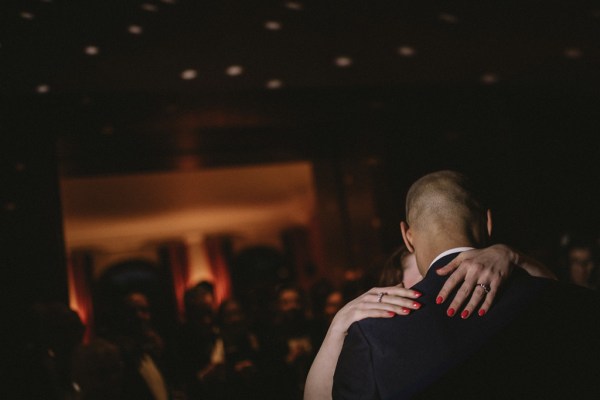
98,371
198,339
54,332
142,349
582,268
288,346
237,353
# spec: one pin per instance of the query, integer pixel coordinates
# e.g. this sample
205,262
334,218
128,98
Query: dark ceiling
136,85
198,46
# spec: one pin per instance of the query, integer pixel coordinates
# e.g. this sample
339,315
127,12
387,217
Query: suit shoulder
374,324
373,329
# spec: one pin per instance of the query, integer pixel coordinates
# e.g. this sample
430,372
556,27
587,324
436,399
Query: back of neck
426,252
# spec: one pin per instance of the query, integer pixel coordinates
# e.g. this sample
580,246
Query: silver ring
380,296
486,288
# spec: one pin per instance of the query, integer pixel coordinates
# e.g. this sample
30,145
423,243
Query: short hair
444,199
198,291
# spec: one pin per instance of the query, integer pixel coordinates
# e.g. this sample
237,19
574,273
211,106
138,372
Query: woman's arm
532,266
490,266
396,301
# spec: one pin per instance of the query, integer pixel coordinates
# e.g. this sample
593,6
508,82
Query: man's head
581,266
199,303
443,210
581,262
138,305
288,300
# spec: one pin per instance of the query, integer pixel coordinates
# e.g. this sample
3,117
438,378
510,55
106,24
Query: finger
488,301
378,314
461,295
386,307
495,284
395,301
476,298
451,266
450,284
395,291
403,302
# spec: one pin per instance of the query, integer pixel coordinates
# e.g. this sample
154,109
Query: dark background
505,91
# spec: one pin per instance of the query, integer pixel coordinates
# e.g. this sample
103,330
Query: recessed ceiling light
573,53
42,88
234,70
27,15
91,50
449,18
189,74
294,5
135,29
343,61
274,84
489,78
149,7
273,25
406,51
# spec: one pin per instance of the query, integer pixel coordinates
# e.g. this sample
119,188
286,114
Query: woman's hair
393,270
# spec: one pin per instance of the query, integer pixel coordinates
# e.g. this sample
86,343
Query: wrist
338,328
512,255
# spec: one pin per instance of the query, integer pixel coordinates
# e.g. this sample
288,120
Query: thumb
450,267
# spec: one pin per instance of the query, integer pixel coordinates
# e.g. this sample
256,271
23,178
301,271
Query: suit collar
442,261
447,253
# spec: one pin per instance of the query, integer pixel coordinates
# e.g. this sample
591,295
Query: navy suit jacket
429,355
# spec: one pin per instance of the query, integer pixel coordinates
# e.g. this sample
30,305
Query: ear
407,236
489,222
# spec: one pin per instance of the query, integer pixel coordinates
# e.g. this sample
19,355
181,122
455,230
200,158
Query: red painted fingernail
417,294
416,305
391,313
405,310
464,314
481,313
439,300
451,312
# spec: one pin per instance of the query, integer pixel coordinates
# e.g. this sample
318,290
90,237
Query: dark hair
199,289
393,270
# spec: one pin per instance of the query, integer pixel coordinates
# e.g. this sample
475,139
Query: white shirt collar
449,251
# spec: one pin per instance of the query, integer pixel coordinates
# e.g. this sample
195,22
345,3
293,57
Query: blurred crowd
238,349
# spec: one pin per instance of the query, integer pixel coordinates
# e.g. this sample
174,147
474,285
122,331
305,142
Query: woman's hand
489,267
396,300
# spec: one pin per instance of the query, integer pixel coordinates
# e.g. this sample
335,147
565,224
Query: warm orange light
79,297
